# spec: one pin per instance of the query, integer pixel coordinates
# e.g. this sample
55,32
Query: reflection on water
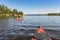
11,27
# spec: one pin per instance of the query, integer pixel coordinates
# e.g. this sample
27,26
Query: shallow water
9,28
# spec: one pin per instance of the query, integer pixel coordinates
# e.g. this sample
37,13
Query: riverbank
7,16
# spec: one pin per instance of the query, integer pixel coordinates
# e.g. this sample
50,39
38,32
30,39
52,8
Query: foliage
6,11
53,14
21,13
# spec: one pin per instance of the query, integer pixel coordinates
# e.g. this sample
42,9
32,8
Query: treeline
53,14
5,11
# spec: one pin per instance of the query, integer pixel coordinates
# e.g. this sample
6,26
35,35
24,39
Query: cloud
41,11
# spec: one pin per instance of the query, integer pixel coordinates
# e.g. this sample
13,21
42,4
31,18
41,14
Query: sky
33,6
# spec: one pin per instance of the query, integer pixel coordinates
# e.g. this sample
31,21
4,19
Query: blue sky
33,6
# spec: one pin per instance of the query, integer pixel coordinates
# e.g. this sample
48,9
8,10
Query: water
11,27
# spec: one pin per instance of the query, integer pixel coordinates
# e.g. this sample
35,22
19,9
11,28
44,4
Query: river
24,27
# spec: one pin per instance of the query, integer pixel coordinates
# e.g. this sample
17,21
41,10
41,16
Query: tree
21,13
4,9
15,11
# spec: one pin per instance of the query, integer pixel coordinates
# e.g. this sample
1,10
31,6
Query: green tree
1,9
14,12
4,9
21,13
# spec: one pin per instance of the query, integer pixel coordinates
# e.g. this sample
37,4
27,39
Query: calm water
24,27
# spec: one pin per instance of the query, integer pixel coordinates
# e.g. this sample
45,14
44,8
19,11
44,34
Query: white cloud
41,11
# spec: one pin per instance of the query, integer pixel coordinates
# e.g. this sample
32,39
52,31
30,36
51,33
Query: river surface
28,25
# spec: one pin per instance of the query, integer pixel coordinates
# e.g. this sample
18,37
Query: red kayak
19,18
41,34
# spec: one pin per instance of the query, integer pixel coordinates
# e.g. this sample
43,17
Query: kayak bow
41,34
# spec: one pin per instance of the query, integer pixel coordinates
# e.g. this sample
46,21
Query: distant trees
5,10
53,14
